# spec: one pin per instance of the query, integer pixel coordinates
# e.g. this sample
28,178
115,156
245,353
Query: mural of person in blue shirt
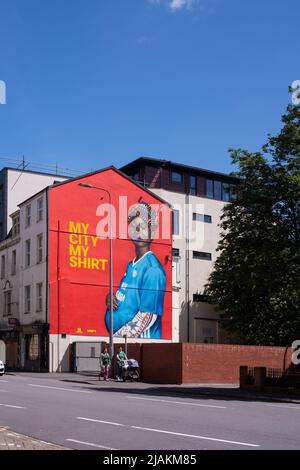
138,302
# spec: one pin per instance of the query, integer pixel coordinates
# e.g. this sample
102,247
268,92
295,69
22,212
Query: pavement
10,440
76,411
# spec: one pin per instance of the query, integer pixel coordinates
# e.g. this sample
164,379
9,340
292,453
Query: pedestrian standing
121,358
104,363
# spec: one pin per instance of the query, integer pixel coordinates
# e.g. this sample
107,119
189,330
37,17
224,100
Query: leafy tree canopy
256,280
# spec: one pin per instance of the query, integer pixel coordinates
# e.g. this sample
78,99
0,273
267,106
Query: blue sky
92,83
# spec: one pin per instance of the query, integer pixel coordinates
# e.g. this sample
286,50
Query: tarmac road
98,415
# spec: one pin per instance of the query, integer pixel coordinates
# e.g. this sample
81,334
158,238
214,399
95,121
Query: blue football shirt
142,289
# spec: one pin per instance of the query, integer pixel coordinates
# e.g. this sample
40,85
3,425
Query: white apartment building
16,185
23,292
197,197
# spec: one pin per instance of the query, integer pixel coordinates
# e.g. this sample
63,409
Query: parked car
2,368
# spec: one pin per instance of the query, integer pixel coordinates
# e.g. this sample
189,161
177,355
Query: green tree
256,278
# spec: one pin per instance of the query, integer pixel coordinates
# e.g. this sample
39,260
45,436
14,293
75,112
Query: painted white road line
177,402
173,433
59,388
90,444
99,421
12,406
3,381
283,406
3,391
194,436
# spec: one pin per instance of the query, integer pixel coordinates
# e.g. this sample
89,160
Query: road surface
125,417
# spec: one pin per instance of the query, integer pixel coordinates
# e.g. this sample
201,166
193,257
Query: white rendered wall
205,239
36,272
23,185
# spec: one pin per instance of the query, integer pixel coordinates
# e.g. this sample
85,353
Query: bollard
260,374
243,376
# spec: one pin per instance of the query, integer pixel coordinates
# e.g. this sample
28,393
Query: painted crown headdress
146,212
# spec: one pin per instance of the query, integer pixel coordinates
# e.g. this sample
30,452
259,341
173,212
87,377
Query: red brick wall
203,363
161,363
219,363
134,351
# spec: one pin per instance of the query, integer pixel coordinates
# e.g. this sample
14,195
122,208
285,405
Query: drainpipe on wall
47,281
187,263
58,299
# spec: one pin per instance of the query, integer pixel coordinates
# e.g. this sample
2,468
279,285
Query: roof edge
163,162
112,167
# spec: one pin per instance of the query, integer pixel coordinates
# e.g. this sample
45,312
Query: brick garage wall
162,363
134,351
218,363
175,363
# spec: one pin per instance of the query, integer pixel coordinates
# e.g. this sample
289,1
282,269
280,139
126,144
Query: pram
130,370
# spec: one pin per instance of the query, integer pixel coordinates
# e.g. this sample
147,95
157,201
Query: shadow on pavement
197,393
90,381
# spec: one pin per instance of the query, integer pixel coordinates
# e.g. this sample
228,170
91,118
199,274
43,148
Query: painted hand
115,302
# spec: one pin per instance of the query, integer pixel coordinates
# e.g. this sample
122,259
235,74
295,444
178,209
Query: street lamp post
111,306
125,333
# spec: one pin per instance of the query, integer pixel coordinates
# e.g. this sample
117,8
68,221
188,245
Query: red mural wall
79,258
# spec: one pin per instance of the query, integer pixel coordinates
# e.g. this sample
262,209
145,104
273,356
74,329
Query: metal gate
86,356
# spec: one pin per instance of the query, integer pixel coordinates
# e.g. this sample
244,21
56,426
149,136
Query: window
39,241
1,195
39,297
28,216
16,225
136,176
40,206
202,255
232,192
200,298
27,304
175,222
193,185
176,177
217,190
225,192
27,253
175,252
210,189
2,266
202,218
7,302
13,262
205,330
1,230
32,347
